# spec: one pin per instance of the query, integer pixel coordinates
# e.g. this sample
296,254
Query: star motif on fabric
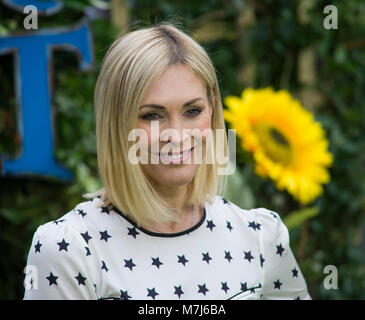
225,201
229,226
105,209
244,286
295,272
37,247
178,291
86,236
152,293
279,249
254,225
87,251
104,267
262,260
224,286
210,224
133,232
80,279
182,259
81,212
203,289
156,262
248,256
104,235
59,221
125,295
228,256
52,279
129,264
206,257
273,214
277,284
63,245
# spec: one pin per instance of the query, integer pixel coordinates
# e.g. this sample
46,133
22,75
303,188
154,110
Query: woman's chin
175,176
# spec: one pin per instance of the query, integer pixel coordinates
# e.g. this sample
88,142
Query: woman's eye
193,112
151,116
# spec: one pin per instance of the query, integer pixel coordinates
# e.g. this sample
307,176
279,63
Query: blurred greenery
252,43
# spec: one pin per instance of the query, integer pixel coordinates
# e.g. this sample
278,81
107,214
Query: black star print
63,245
277,284
87,251
58,221
31,283
156,262
224,286
133,232
104,235
105,209
38,247
229,226
210,224
124,294
244,286
280,249
129,264
273,214
52,279
86,236
152,293
83,214
248,256
206,257
228,256
104,267
262,260
178,291
182,259
80,279
254,225
203,289
295,272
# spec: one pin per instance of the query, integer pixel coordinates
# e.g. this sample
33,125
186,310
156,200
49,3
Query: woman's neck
189,214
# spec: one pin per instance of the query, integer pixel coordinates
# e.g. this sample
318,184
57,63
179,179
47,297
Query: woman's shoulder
260,216
74,220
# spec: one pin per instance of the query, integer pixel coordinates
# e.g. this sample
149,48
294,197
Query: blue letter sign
33,52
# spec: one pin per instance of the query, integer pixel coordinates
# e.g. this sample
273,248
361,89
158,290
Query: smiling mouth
174,155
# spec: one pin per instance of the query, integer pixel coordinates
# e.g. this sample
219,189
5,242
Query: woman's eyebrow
152,105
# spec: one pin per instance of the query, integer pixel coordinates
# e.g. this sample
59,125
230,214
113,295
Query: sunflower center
274,143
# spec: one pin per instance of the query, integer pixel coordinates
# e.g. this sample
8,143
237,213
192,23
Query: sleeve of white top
282,277
53,273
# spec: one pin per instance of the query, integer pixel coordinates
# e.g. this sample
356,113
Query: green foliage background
267,35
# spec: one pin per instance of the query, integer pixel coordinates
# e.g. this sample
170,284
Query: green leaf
297,217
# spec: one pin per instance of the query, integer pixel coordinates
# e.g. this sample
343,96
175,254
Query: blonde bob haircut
131,63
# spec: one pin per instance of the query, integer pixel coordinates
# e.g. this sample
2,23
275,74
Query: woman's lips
175,157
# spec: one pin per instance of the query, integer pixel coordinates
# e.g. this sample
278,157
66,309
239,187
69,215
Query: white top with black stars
96,253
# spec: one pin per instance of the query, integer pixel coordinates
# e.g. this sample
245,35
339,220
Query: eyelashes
191,113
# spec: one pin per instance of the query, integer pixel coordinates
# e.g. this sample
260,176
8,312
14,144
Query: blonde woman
161,229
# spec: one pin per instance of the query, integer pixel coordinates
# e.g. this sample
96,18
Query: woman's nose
174,132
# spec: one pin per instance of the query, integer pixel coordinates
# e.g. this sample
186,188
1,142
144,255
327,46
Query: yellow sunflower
287,144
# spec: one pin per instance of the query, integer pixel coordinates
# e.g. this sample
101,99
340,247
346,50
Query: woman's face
176,101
